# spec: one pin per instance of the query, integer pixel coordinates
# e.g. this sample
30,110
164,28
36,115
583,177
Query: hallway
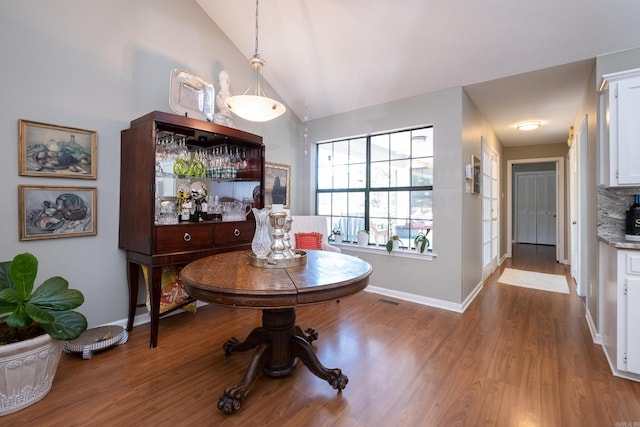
540,258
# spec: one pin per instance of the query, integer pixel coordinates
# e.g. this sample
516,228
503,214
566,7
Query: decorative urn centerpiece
274,251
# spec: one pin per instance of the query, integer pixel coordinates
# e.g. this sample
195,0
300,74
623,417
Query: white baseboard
595,336
618,373
431,302
143,318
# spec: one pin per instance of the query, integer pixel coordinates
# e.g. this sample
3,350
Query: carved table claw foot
230,401
254,339
308,334
303,350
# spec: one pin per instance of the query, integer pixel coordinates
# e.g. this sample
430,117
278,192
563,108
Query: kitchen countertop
618,241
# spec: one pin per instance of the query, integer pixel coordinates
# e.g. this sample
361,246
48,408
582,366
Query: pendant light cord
256,52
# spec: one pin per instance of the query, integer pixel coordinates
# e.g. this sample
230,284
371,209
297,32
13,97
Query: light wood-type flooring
516,357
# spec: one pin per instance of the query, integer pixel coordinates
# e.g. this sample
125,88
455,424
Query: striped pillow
309,241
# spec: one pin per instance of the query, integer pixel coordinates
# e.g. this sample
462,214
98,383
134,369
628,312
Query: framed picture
475,178
277,181
55,212
55,151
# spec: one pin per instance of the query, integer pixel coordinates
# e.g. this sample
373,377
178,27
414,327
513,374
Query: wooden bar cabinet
164,159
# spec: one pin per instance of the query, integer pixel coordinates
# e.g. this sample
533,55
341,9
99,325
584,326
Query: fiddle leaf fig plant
49,306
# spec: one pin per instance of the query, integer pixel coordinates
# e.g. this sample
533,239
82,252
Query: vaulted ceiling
516,59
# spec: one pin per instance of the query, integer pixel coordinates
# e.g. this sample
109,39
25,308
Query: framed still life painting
277,181
56,212
54,151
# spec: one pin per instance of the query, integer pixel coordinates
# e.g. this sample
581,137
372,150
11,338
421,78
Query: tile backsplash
613,204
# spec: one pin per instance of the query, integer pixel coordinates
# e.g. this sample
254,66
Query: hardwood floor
516,357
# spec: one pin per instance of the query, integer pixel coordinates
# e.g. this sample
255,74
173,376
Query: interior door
526,208
490,212
546,208
574,236
536,207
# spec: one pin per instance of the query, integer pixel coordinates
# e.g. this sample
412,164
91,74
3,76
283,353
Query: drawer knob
236,232
187,237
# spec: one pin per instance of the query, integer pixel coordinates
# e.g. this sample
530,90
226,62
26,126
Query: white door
546,209
574,236
526,208
578,207
490,212
536,207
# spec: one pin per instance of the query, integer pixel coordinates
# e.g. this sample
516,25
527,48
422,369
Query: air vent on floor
386,301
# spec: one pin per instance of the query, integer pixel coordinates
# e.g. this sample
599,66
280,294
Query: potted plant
421,241
393,243
34,323
337,236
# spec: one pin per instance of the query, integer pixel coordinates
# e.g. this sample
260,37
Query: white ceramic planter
27,369
363,238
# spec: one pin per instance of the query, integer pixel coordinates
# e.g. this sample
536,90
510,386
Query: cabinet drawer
178,238
633,263
230,233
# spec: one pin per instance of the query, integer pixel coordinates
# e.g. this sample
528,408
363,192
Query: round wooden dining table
231,279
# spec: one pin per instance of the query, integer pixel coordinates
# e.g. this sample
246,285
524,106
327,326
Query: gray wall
458,128
97,66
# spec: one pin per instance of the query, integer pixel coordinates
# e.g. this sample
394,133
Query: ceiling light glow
530,125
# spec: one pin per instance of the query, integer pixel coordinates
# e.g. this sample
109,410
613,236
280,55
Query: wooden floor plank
516,357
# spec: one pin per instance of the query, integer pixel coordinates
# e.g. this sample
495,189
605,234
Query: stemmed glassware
219,162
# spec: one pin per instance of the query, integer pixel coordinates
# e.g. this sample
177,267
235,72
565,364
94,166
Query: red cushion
309,241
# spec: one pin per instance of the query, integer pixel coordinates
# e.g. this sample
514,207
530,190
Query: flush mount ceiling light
255,106
530,125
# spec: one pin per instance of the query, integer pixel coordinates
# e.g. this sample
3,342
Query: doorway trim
560,203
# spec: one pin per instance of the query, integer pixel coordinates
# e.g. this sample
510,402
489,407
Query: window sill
381,250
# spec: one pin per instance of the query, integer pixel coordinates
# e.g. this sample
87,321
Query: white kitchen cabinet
620,129
621,310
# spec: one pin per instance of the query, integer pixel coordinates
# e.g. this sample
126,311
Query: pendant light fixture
255,106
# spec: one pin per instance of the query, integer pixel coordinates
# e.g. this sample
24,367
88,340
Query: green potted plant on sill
393,243
33,322
421,242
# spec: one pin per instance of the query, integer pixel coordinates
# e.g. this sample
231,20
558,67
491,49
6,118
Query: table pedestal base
278,344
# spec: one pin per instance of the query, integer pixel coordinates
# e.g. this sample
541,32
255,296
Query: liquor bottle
633,217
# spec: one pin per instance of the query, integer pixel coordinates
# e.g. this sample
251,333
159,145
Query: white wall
97,66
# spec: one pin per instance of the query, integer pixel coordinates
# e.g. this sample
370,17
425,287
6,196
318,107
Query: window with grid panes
381,183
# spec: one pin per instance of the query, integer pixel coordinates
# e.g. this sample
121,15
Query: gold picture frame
49,212
277,182
47,150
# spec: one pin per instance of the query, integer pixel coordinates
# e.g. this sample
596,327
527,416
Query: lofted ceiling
517,59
